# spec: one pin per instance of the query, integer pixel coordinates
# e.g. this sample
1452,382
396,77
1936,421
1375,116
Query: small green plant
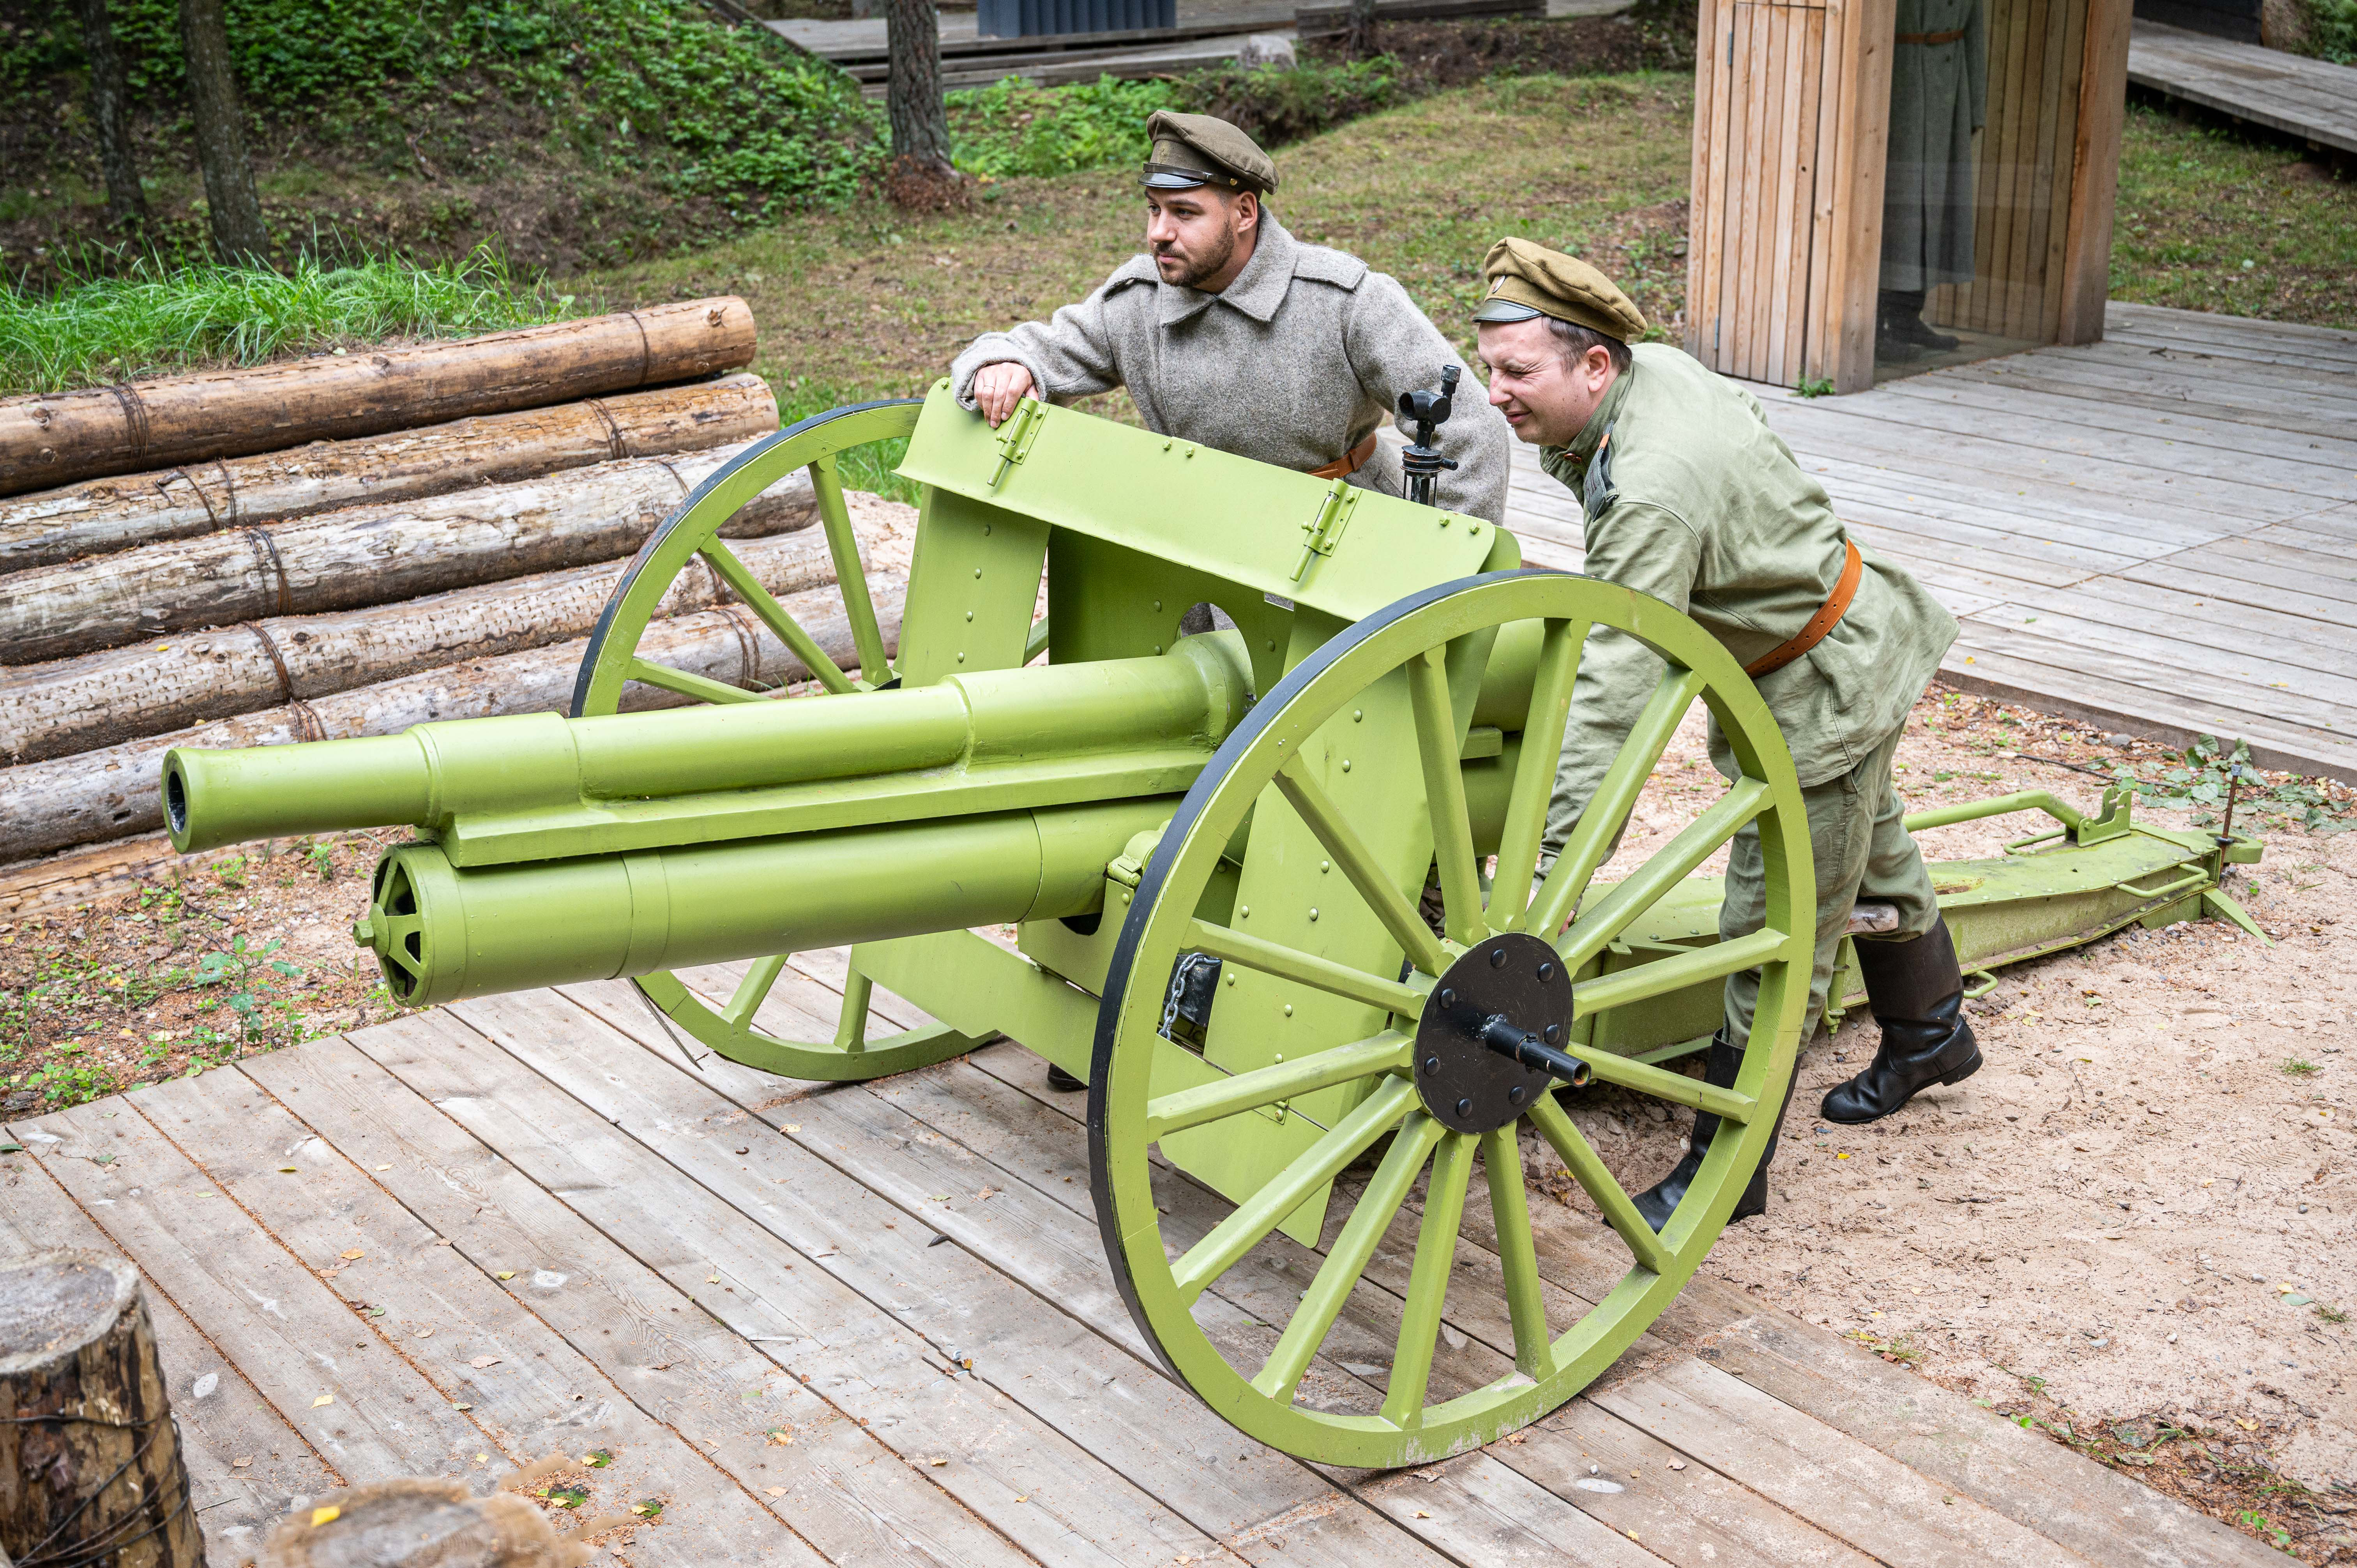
2332,30
2253,1520
64,1085
1814,386
2331,1313
2299,1069
243,970
2204,772
231,871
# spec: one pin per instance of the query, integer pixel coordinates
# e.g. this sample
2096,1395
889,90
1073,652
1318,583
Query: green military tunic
1696,501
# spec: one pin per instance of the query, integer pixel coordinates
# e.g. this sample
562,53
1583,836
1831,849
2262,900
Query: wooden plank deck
871,1325
2155,531
2313,100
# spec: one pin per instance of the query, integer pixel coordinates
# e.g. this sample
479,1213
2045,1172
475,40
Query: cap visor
1505,310
1167,181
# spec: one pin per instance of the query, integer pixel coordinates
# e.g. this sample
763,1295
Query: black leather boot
1063,1083
1657,1202
1917,992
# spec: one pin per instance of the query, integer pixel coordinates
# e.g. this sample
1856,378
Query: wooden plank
1494,1517
445,1316
1820,351
2137,660
2162,320
2295,383
2181,573
2174,612
2092,1510
2230,346
1862,149
850,1497
2266,682
1702,216
1690,1514
2229,418
780,1256
2057,680
366,1409
2269,548
1103,1397
247,1468
1836,1482
2029,422
1796,68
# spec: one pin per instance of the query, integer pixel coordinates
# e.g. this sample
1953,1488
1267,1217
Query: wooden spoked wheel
1528,1345
613,661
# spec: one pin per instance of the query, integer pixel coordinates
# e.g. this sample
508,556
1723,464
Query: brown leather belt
1349,462
1950,36
1828,616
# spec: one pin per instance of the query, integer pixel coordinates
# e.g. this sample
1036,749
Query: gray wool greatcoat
1938,97
1294,364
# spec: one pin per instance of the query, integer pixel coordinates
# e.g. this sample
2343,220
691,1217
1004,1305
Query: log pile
440,548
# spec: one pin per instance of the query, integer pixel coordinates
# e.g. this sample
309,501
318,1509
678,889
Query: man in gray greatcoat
1938,97
1233,333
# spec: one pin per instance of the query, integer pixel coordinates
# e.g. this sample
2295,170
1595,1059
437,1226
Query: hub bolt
1552,1033
1431,1066
1447,997
1465,1108
1514,1095
1497,958
1546,971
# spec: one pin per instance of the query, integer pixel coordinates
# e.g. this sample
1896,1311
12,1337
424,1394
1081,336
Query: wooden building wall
1792,111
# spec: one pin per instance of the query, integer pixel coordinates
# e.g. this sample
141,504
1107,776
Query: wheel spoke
1358,863
753,990
1510,1215
1307,968
1664,975
1035,643
1427,1281
1674,1087
1592,842
1444,794
1361,1233
1664,869
1386,1052
849,573
686,683
1526,806
1555,1125
773,614
1258,1215
851,1029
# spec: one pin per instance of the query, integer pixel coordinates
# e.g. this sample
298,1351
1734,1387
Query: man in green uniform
1689,497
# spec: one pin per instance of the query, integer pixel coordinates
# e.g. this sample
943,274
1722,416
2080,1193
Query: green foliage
2205,770
151,319
703,107
63,1085
1814,386
1011,128
2332,30
1273,105
244,971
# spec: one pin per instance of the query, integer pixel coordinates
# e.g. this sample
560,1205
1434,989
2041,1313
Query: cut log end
52,1304
92,1459
420,1524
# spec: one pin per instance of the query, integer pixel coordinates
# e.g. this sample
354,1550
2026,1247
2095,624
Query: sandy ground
2136,1217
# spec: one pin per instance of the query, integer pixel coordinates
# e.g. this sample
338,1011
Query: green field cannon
1211,849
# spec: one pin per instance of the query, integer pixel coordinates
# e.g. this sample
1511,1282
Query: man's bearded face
1194,235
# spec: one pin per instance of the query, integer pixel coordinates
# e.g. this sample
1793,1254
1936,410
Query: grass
2211,219
866,301
155,319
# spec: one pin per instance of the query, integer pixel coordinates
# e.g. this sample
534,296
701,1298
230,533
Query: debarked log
98,795
90,1469
55,438
97,517
367,554
421,1523
102,699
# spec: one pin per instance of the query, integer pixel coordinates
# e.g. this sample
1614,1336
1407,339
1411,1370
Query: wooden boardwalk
871,1325
2157,532
2313,100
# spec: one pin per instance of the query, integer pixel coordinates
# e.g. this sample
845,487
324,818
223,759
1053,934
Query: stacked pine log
353,543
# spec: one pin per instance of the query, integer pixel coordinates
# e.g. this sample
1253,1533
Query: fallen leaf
241,1462
647,1509
712,1279
936,1464
507,1275
598,1458
286,1170
1421,1514
482,1361
323,1399
775,1491
353,1256
328,1515
2246,1424
425,1334
793,1126
459,1405
385,1167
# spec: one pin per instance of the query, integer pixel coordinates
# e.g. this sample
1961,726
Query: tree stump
91,1469
420,1524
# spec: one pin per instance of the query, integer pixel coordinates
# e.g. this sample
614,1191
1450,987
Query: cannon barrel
539,785
442,932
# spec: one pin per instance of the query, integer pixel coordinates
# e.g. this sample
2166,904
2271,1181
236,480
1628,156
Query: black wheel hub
1492,1033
